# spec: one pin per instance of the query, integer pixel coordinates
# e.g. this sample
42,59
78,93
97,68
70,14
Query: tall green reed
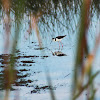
83,70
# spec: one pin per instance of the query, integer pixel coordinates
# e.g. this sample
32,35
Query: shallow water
35,63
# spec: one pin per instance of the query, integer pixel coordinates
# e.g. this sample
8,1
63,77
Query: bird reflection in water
58,53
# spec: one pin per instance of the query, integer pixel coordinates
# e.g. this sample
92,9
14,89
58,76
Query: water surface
34,62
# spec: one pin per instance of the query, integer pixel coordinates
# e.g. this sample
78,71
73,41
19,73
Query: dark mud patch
2,66
38,89
39,48
25,64
22,82
18,57
22,76
27,61
23,70
33,42
44,56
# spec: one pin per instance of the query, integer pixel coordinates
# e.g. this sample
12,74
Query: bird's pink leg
61,44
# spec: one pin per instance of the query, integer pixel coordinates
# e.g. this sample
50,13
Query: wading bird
58,39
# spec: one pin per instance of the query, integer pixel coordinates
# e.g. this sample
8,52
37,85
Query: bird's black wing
60,37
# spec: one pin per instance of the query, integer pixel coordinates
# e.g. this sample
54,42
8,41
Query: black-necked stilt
58,39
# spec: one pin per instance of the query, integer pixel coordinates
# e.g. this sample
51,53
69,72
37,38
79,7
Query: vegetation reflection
43,16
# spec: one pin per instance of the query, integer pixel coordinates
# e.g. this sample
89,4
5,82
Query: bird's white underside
57,39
